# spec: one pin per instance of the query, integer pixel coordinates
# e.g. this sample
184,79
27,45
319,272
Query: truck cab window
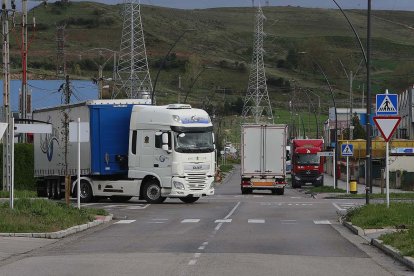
158,140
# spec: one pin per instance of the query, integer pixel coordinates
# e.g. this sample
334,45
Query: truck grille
308,174
196,182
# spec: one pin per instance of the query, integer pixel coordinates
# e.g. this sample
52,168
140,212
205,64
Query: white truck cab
172,152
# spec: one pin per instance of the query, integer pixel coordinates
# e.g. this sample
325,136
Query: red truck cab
307,166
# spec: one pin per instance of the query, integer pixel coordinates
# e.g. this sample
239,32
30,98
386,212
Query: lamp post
194,81
319,108
163,62
367,59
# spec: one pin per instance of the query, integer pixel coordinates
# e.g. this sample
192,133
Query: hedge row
23,167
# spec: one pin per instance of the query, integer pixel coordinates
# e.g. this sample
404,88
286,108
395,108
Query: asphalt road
226,234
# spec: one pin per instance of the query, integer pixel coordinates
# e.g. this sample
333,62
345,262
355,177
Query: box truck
134,150
307,166
263,158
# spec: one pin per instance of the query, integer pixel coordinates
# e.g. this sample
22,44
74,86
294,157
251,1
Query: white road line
289,221
256,221
232,211
337,207
138,207
126,221
295,197
190,220
156,222
201,247
205,243
192,262
257,196
159,219
218,226
222,220
324,222
197,255
114,206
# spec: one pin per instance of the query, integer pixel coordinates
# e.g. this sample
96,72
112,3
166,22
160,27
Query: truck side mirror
166,142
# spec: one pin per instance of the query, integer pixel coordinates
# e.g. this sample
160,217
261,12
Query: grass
377,216
226,168
19,194
41,216
402,240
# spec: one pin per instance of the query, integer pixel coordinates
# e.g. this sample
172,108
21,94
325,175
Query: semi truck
263,158
307,166
134,150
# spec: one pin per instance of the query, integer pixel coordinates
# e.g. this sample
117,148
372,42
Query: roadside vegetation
19,194
326,189
377,196
399,216
39,216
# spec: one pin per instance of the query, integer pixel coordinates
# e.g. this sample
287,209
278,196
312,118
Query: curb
389,250
62,233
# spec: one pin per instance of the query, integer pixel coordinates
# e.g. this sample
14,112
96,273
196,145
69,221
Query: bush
23,167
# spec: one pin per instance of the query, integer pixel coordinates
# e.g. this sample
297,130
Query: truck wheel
152,192
49,190
295,184
246,191
120,198
57,190
189,199
86,194
279,191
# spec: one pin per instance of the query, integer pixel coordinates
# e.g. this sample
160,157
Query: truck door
162,159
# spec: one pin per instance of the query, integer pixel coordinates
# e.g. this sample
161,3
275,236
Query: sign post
347,150
387,104
78,132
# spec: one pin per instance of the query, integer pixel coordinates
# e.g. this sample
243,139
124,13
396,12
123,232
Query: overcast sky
202,4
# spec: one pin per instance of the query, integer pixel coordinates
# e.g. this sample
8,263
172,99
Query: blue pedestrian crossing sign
387,104
347,150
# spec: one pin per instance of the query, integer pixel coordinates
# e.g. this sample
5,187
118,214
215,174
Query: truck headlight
178,185
297,178
319,178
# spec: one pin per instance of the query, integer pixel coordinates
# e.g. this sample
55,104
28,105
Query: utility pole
368,176
257,97
6,13
67,94
60,52
351,126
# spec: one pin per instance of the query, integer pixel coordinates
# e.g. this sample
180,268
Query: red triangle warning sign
387,125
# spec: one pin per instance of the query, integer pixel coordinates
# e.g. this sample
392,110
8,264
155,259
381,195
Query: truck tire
189,199
246,191
278,191
57,190
49,189
295,184
152,192
120,198
86,194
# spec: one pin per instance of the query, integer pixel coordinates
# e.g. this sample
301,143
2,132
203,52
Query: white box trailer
263,158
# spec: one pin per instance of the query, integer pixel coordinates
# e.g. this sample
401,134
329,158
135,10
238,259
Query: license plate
196,195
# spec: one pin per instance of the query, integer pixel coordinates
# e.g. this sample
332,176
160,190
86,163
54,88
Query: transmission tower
60,52
133,77
257,98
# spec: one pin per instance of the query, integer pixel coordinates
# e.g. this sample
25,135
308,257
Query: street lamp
319,108
194,81
367,59
164,60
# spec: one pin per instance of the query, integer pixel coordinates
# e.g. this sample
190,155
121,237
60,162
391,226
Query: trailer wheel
120,198
189,199
86,194
152,192
49,189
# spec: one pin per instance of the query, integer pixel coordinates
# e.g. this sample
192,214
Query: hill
222,40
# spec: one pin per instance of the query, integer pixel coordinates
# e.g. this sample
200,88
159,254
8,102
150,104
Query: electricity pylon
256,102
133,77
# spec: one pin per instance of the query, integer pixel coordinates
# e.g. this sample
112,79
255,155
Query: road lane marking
218,226
125,221
138,207
337,207
197,255
205,243
287,221
222,220
201,247
322,222
256,221
232,211
190,220
192,262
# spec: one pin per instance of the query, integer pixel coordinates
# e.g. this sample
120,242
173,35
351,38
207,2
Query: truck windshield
194,142
308,159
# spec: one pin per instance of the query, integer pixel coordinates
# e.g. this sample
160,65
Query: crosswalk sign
387,104
347,150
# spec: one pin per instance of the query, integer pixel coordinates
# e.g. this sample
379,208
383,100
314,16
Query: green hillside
222,40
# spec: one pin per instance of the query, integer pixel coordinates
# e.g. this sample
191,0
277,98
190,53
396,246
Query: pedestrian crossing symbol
387,104
347,150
